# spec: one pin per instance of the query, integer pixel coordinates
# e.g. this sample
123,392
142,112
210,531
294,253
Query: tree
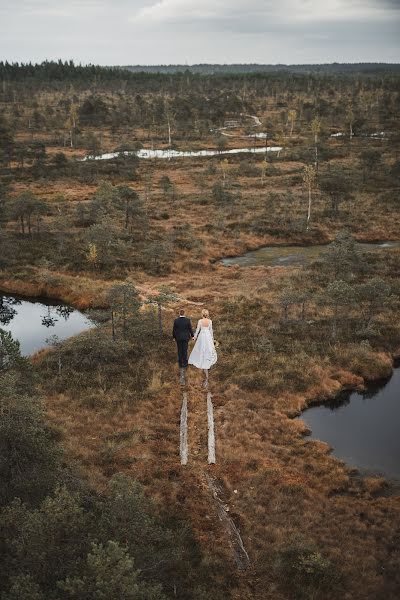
164,295
292,116
124,302
92,255
349,117
106,245
29,457
309,176
316,129
109,573
287,299
135,215
24,587
221,143
264,167
372,296
370,161
169,116
60,161
24,208
3,203
224,169
157,258
221,194
10,355
6,145
342,258
102,202
71,122
93,145
165,184
337,186
340,296
93,111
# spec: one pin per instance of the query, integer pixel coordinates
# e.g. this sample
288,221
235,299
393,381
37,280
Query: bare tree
316,129
309,176
292,116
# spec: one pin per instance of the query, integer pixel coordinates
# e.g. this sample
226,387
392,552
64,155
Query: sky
145,32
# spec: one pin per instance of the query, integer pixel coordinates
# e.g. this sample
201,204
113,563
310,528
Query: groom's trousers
182,352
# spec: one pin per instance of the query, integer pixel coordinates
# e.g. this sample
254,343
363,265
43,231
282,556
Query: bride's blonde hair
205,313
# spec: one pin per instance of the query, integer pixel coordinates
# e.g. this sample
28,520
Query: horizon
199,64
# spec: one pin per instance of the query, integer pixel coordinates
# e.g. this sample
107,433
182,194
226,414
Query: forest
94,502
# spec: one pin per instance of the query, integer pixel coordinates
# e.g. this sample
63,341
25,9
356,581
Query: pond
274,256
362,427
33,321
169,153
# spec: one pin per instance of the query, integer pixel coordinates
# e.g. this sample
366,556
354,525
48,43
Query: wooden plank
211,433
183,431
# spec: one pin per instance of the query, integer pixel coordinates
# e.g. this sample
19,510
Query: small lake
281,256
32,321
362,427
169,153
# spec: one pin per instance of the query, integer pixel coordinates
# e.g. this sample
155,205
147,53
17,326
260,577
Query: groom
182,332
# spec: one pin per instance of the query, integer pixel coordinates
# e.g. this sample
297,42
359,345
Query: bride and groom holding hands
203,354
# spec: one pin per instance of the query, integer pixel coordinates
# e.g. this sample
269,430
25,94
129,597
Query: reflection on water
32,322
274,256
362,428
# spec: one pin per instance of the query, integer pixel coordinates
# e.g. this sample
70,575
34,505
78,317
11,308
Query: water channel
274,256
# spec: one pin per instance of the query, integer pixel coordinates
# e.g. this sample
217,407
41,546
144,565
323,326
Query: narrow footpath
199,448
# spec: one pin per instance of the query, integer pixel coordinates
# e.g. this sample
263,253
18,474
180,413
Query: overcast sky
122,32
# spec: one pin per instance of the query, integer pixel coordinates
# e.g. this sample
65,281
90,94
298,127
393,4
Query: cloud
160,31
260,13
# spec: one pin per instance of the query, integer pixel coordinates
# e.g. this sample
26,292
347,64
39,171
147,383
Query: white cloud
175,31
259,11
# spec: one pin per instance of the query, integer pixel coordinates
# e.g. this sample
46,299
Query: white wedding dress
203,355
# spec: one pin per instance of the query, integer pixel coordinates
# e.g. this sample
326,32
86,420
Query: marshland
89,440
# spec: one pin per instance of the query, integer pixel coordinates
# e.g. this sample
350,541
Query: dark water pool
362,428
32,321
282,256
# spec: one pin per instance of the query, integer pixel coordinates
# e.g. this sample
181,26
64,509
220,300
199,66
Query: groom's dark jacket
182,330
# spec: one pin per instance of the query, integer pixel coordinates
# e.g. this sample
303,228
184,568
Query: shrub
29,457
305,571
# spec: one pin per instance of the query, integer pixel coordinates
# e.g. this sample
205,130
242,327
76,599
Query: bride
204,355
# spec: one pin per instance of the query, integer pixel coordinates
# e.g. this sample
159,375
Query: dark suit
182,332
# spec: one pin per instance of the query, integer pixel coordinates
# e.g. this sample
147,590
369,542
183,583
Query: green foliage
338,186
29,456
305,571
105,237
370,161
109,574
157,258
124,303
94,363
93,111
342,259
24,208
166,184
221,194
23,587
10,355
95,547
